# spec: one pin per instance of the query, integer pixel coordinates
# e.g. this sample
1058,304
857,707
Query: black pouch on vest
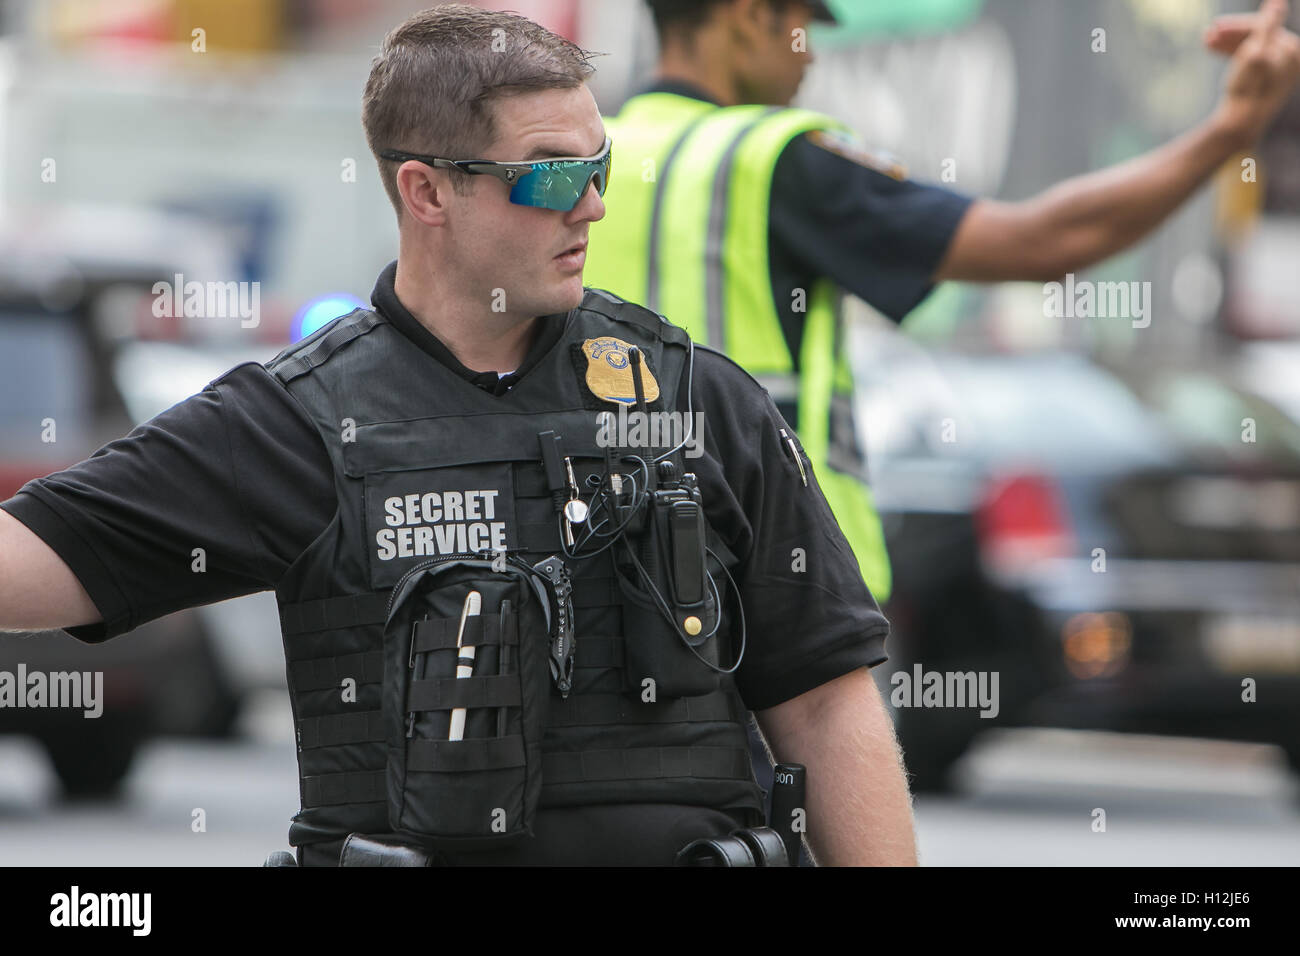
681,664
482,789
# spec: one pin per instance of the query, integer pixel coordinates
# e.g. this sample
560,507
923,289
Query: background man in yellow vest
739,219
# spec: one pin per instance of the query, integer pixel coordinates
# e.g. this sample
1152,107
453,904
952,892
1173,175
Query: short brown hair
680,19
432,86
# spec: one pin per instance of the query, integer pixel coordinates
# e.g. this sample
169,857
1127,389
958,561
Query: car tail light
1021,521
1096,645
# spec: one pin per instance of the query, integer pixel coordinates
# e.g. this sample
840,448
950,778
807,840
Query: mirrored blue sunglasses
558,183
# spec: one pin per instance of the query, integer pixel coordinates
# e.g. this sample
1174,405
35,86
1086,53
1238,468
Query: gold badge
609,371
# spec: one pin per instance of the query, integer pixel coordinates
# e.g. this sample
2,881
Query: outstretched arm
1086,219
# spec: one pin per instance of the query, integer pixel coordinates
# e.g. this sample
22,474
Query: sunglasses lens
560,186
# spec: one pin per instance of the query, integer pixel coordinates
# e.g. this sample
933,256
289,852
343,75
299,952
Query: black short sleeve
879,237
237,471
809,615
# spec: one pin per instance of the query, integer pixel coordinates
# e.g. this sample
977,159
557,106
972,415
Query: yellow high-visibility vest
686,234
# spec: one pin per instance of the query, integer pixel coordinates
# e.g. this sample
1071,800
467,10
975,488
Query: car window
1033,410
45,388
1214,418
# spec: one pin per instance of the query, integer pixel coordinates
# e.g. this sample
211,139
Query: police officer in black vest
535,554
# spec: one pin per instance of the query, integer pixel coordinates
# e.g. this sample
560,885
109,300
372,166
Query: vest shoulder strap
316,349
622,311
661,108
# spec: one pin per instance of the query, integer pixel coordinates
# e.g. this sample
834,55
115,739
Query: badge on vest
418,515
609,371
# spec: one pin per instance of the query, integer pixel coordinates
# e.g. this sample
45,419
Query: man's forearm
859,812
1086,219
1083,220
1105,212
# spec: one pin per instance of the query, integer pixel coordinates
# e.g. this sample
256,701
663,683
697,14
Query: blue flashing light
321,311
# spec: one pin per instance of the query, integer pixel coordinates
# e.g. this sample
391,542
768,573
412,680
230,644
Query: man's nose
590,207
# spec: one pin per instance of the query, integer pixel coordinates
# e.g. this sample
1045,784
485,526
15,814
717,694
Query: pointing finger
1226,38
1236,25
1271,17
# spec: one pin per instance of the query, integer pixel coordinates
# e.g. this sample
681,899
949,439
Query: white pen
465,662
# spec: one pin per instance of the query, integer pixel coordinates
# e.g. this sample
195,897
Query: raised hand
1264,70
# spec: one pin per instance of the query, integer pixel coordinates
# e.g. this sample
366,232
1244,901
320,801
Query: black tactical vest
399,425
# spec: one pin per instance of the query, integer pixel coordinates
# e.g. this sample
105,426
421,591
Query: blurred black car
1121,563
164,677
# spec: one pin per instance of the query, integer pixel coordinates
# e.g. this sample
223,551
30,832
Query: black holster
360,849
752,846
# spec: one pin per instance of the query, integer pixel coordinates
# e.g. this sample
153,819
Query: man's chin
553,304
568,296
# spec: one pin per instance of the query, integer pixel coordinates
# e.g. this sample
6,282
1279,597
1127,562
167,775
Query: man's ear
746,19
424,192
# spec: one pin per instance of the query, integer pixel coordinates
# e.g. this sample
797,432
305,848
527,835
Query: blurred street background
1105,513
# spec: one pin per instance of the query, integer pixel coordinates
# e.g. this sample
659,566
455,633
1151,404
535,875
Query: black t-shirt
240,471
833,216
